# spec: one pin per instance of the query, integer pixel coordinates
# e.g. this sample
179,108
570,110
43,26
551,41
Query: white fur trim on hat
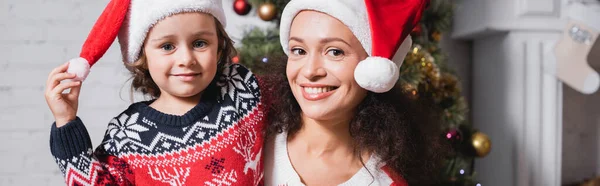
80,67
353,13
377,74
382,74
143,14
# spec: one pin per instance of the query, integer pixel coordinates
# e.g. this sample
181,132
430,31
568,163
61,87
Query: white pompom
80,67
377,74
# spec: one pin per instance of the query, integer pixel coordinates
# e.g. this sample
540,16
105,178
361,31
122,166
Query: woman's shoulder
395,177
376,173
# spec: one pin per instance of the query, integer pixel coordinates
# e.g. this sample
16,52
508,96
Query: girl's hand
62,105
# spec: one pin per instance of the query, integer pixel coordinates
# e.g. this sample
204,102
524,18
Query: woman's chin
316,112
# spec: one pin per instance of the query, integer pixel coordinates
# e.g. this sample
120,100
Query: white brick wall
36,36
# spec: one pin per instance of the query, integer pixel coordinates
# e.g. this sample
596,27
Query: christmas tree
424,75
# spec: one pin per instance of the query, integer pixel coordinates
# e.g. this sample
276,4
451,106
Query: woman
338,118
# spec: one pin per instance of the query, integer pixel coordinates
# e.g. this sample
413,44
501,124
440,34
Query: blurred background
515,82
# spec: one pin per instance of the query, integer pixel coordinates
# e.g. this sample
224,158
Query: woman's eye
335,52
297,51
167,47
199,44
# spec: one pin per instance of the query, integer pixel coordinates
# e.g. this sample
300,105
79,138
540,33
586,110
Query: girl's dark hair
401,130
142,81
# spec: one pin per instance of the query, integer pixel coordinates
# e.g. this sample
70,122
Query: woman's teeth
317,90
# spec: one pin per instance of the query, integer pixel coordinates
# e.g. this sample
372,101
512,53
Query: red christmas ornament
453,135
235,59
417,30
241,7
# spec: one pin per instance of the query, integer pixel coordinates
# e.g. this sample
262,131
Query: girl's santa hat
131,20
381,26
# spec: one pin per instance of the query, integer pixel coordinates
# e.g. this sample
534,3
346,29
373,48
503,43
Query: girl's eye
297,51
167,47
335,52
199,44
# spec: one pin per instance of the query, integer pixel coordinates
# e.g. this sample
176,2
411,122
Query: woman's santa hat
381,26
131,20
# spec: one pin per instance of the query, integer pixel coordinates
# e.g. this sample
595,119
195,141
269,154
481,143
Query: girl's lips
187,76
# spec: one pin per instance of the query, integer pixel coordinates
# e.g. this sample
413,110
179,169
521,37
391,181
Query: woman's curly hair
142,81
402,131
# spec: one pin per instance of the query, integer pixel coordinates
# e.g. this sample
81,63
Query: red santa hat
381,26
131,20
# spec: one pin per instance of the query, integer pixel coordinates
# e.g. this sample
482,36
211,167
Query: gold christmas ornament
267,11
481,143
437,36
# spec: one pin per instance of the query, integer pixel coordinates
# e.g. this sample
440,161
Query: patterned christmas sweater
280,172
218,142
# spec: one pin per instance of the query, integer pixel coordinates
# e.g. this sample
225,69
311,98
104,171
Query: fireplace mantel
516,99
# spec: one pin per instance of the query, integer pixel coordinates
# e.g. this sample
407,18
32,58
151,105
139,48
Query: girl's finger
74,93
56,79
58,90
49,83
59,69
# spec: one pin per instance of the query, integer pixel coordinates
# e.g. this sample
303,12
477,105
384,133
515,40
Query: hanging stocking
573,49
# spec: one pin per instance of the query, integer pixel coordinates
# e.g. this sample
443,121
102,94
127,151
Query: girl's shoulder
236,80
237,70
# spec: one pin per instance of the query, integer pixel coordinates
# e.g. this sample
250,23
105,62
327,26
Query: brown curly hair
401,130
142,81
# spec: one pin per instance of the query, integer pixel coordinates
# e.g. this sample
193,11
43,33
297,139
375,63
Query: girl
338,118
204,125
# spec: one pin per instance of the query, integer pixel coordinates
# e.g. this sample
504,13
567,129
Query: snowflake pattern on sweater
218,142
